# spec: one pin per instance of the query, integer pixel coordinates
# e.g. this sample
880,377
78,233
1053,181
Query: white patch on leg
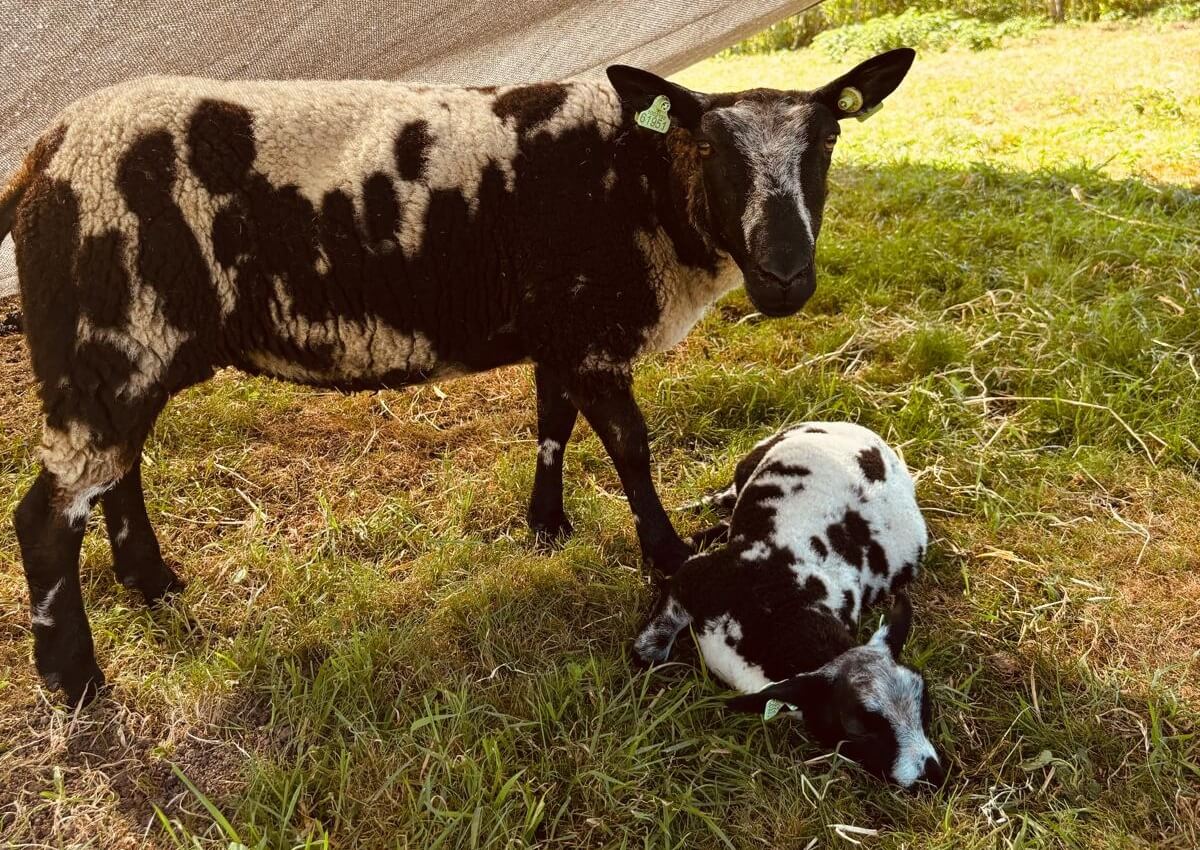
123,532
547,449
41,611
80,506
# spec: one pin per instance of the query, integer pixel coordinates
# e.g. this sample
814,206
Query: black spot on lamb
371,234
824,524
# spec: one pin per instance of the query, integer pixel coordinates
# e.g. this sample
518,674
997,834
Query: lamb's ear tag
655,117
774,706
850,100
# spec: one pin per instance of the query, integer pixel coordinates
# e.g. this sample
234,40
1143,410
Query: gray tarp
55,52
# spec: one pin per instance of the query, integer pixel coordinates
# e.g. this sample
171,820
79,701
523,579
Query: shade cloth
56,52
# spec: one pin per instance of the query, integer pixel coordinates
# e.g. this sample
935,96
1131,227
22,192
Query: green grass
371,654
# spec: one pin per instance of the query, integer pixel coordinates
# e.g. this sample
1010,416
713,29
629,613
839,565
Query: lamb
370,234
824,524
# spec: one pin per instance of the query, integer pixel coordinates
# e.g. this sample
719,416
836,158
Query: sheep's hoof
551,532
73,670
154,583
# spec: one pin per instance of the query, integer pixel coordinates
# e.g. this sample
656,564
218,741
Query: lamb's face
879,711
865,701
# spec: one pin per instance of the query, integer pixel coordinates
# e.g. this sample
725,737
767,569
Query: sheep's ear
860,91
637,90
804,691
894,633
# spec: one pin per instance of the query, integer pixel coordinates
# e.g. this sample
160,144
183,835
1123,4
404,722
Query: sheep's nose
933,772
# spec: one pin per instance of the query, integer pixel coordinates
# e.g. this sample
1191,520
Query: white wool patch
77,465
80,504
684,294
547,449
41,611
724,660
834,484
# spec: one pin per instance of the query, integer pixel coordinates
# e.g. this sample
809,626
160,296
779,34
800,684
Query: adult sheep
370,234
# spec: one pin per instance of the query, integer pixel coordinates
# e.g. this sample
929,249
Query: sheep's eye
830,142
705,148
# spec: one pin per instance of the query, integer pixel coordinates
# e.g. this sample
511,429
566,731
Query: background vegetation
371,654
862,28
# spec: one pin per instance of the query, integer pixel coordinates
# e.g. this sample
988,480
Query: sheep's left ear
637,90
873,80
894,633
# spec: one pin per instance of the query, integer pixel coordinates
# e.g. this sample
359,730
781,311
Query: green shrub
920,30
801,30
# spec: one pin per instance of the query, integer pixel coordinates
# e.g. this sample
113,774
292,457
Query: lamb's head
758,160
877,708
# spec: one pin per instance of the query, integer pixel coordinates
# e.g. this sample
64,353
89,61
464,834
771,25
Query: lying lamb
824,524
372,234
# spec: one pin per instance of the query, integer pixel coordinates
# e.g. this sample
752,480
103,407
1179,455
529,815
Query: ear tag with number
774,706
655,117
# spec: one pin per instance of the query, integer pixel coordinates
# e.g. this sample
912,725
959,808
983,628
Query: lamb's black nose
933,772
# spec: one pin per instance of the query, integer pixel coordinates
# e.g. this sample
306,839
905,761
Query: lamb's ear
803,691
637,90
894,633
873,80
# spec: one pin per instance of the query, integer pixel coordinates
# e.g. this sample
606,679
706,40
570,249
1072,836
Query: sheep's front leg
556,416
657,636
608,405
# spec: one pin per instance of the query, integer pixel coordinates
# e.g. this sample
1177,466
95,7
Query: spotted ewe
824,524
369,234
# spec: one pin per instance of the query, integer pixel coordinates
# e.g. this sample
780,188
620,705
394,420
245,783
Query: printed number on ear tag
655,117
774,706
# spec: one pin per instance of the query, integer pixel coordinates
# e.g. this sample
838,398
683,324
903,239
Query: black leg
611,410
137,559
50,538
556,421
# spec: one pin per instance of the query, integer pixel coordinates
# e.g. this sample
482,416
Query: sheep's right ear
804,691
637,90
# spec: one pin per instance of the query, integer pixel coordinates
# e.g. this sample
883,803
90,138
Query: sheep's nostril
781,274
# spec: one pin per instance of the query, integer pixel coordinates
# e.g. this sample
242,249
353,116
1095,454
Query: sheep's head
764,156
877,708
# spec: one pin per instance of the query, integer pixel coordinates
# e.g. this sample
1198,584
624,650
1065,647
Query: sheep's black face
877,709
764,157
764,160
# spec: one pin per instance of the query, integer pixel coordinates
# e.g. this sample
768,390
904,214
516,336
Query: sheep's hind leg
556,420
137,559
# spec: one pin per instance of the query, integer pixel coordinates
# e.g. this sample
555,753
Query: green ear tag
655,118
870,112
850,100
774,706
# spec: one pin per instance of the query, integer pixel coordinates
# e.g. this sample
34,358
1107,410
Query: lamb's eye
830,142
705,148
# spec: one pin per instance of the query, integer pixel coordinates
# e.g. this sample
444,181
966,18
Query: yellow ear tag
655,117
850,100
774,706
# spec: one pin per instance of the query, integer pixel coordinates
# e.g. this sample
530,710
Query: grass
370,653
